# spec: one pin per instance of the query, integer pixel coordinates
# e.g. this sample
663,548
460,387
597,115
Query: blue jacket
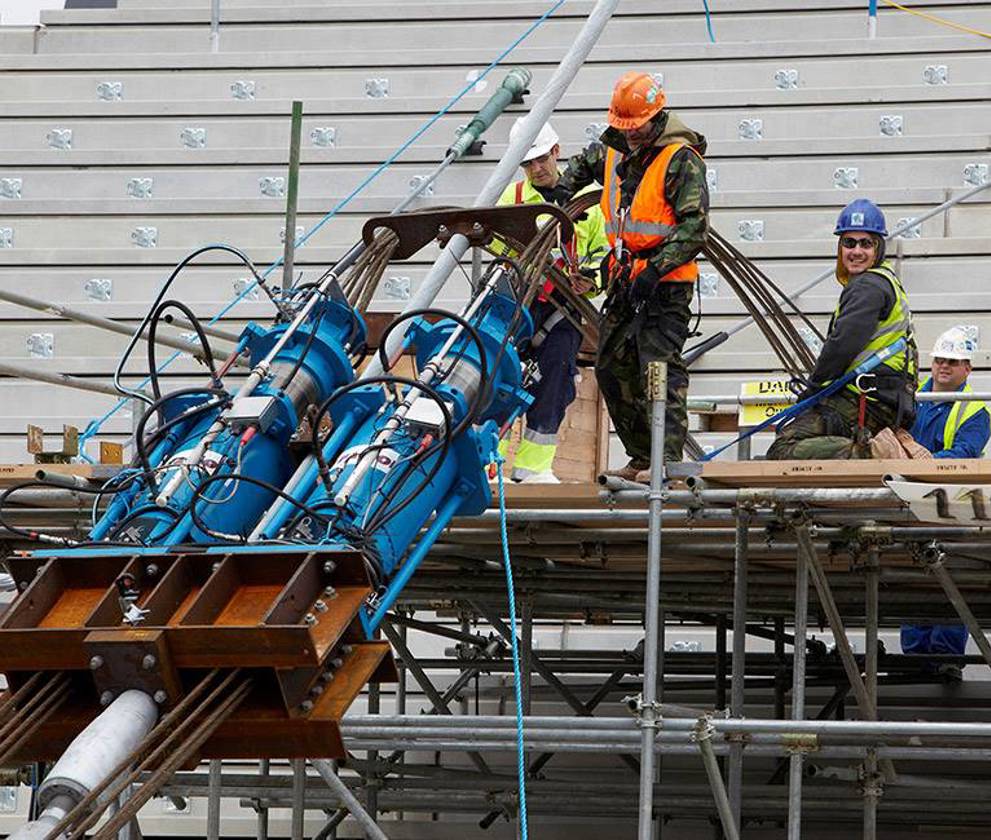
930,420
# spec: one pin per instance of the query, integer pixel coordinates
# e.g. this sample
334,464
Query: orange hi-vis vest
648,220
545,293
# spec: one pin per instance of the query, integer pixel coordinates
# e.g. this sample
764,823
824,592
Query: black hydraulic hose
200,334
139,441
306,348
141,511
247,479
316,443
476,405
230,249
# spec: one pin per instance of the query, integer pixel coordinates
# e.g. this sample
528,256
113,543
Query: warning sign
777,395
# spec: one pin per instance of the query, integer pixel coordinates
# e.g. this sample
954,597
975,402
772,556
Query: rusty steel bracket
518,222
36,445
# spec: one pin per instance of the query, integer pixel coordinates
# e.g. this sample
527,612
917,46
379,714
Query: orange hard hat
636,98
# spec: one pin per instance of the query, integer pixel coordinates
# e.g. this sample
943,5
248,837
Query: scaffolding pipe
738,663
703,736
505,170
57,309
934,564
798,695
327,772
653,656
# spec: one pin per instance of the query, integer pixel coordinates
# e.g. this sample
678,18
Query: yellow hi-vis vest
960,413
897,325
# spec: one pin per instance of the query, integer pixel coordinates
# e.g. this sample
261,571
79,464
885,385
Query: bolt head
320,606
316,691
151,570
306,705
95,663
106,698
336,662
310,619
329,592
149,662
329,567
160,697
22,585
346,649
214,567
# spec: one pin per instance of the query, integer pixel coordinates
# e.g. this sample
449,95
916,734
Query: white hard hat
545,140
955,343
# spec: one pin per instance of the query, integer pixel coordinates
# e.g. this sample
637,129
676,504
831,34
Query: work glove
644,286
560,195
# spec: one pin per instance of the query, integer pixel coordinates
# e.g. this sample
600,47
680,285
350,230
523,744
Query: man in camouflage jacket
648,319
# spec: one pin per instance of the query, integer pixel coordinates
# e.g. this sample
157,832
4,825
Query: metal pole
798,693
368,825
871,779
193,349
703,736
298,797
737,694
64,379
657,379
292,192
213,801
262,818
372,784
506,168
934,564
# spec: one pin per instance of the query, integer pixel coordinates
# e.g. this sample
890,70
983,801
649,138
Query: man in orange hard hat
656,205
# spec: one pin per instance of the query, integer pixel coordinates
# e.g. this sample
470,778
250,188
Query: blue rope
517,679
94,425
708,21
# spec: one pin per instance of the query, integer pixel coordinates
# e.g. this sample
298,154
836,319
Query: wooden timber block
851,473
11,474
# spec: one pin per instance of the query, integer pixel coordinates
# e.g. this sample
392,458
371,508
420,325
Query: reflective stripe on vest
650,217
960,413
897,325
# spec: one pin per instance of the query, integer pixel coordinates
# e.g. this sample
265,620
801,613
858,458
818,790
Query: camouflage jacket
685,186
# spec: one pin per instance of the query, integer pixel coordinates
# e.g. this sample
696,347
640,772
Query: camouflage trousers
828,431
628,340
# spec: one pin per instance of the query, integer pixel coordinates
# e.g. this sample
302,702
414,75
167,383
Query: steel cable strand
48,706
120,778
10,702
161,776
30,707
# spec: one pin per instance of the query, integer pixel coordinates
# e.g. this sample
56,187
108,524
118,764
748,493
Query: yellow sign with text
777,399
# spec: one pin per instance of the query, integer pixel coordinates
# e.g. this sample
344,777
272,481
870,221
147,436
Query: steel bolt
328,567
327,676
214,567
476,228
96,663
106,698
306,705
346,649
310,619
151,570
160,696
316,691
320,606
442,230
329,592
22,585
149,662
336,662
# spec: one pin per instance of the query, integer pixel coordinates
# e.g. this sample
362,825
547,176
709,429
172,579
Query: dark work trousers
556,357
628,340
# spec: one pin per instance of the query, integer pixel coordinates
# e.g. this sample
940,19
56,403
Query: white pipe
92,755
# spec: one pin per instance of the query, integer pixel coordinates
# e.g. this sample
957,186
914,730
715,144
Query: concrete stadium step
340,138
233,189
625,55
268,34
409,85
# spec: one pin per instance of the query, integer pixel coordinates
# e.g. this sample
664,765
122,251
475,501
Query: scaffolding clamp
871,783
800,743
648,715
704,730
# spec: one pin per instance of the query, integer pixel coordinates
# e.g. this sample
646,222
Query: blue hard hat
861,214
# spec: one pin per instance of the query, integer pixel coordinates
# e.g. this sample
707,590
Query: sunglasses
939,360
537,160
851,242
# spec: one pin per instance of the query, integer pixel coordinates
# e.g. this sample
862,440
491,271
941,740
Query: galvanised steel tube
653,656
737,696
935,564
798,695
761,496
541,111
726,817
350,801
